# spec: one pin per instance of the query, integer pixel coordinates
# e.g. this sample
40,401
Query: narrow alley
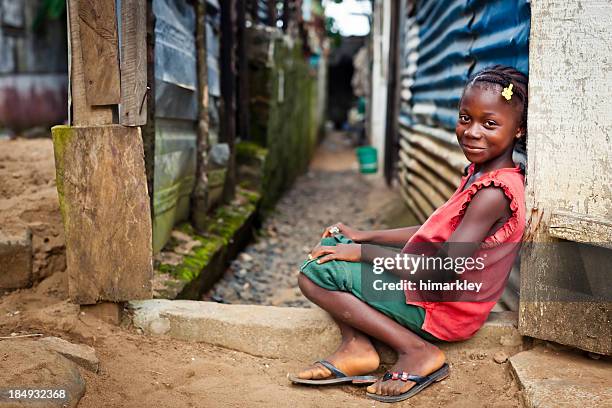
331,191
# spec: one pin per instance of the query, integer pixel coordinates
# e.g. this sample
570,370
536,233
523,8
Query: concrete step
288,333
559,379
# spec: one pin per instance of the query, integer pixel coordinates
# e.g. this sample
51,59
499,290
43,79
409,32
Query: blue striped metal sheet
456,39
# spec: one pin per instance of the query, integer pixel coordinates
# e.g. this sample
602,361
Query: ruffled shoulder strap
511,182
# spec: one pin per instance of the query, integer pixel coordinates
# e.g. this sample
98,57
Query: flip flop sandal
340,377
421,383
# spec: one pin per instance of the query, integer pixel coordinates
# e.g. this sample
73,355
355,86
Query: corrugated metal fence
443,43
176,112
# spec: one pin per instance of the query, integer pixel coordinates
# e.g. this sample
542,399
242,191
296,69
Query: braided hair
503,76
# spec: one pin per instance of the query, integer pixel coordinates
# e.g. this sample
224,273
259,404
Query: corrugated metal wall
176,112
33,65
444,43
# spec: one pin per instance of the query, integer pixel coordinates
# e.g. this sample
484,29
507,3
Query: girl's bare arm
390,237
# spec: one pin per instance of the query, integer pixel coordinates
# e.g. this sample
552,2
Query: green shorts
346,277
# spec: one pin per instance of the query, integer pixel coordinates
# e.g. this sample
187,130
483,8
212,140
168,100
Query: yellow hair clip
507,92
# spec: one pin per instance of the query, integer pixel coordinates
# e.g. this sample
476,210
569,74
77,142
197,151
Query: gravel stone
316,200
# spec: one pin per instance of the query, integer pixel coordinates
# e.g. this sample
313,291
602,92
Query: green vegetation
62,135
222,225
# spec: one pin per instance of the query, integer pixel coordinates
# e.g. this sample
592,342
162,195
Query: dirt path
332,191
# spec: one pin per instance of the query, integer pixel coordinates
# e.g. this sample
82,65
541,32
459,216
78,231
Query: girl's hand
340,252
340,228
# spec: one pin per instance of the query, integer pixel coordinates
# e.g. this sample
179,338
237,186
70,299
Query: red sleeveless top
459,320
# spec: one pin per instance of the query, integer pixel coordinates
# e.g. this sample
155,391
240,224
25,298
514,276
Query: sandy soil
140,371
28,199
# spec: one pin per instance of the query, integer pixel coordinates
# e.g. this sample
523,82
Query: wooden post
243,75
99,49
82,113
286,14
133,108
105,208
391,146
228,90
272,13
199,197
100,170
253,6
148,130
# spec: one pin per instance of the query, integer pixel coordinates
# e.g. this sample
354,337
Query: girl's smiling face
488,124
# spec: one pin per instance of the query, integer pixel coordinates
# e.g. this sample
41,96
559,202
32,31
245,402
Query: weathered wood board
99,50
133,107
569,172
82,113
199,196
105,207
581,228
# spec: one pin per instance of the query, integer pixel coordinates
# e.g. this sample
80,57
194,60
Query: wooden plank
105,208
200,194
99,50
569,168
581,228
228,91
81,113
133,107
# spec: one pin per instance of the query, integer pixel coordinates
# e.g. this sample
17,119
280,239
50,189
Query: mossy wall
283,104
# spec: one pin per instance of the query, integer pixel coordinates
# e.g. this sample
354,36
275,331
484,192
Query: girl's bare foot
419,361
354,356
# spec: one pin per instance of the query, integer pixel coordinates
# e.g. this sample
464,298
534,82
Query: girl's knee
303,283
308,287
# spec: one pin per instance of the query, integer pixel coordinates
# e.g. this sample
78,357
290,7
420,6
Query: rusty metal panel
28,100
33,68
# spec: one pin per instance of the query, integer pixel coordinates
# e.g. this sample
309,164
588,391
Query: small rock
244,257
33,366
81,354
181,236
160,326
242,272
478,356
500,357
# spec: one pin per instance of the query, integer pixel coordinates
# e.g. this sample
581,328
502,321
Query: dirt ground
28,199
141,371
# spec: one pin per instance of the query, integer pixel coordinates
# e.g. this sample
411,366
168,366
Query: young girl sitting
487,211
